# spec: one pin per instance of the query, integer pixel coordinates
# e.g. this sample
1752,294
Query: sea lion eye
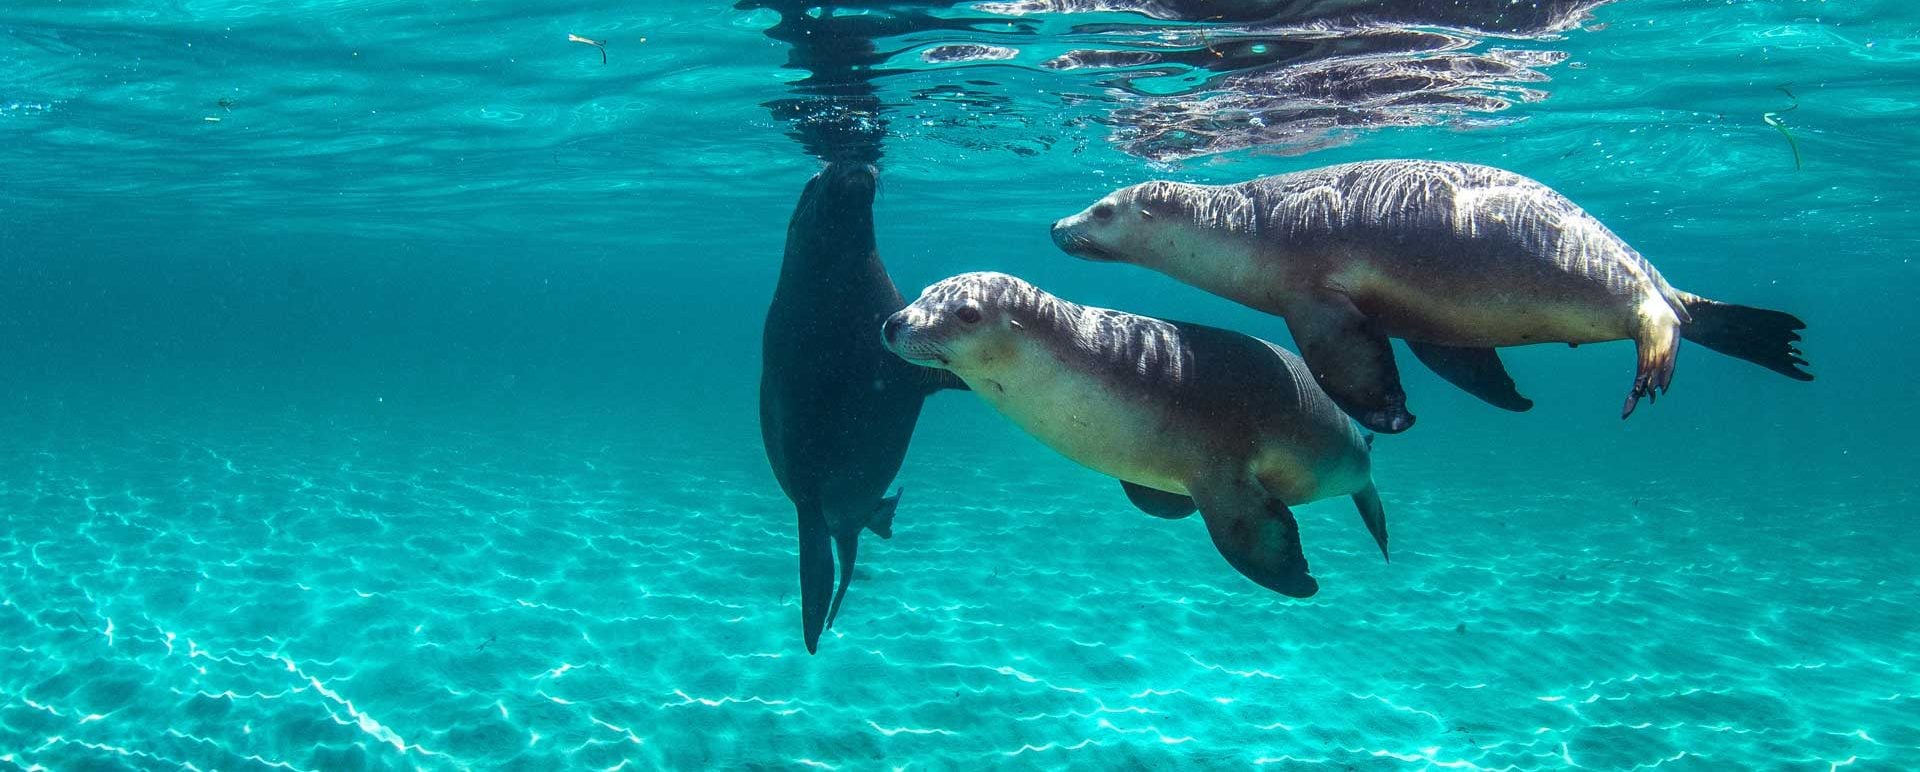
968,314
1103,212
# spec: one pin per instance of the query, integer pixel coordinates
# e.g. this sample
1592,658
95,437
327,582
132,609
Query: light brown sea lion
1456,259
1185,416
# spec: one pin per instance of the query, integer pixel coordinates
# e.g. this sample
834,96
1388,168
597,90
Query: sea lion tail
1764,337
816,572
1374,515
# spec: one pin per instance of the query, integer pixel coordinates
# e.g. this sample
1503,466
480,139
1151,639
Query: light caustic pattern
327,598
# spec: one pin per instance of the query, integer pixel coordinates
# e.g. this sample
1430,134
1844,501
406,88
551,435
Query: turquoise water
405,416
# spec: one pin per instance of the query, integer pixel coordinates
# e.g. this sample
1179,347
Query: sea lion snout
1063,236
1097,232
1070,235
909,334
849,179
890,330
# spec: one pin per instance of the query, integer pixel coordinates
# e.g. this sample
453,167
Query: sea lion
836,409
1185,416
1456,259
1503,17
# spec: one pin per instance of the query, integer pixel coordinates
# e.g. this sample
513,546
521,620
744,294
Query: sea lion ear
1015,323
1152,206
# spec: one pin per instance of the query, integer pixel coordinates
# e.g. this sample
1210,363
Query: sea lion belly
1486,304
1101,428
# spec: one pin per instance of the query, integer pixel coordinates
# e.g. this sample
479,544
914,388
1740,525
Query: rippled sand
292,594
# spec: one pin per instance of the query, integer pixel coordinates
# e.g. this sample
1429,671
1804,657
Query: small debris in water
600,44
1773,119
211,119
1462,629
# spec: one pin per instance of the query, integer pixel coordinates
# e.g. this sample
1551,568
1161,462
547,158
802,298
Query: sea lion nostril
891,329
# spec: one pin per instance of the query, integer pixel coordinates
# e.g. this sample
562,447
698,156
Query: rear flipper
881,523
1158,503
1368,502
1659,348
816,573
1765,338
849,549
1476,370
1257,535
1351,362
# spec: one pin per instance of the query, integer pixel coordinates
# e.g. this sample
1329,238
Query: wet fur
1165,405
1445,253
837,410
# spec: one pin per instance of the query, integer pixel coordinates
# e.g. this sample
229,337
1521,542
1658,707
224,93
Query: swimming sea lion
1457,259
836,410
1505,17
1186,416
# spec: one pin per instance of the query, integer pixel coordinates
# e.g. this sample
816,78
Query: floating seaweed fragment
600,44
1773,119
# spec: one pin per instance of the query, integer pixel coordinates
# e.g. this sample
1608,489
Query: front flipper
1158,503
1478,371
1353,363
1257,535
816,573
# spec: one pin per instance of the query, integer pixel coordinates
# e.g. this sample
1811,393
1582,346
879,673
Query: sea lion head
1155,223
842,191
968,324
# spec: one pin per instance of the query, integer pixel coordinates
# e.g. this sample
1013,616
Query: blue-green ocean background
405,417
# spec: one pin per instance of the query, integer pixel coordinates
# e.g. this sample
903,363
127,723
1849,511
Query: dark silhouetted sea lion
836,410
1454,258
1185,416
